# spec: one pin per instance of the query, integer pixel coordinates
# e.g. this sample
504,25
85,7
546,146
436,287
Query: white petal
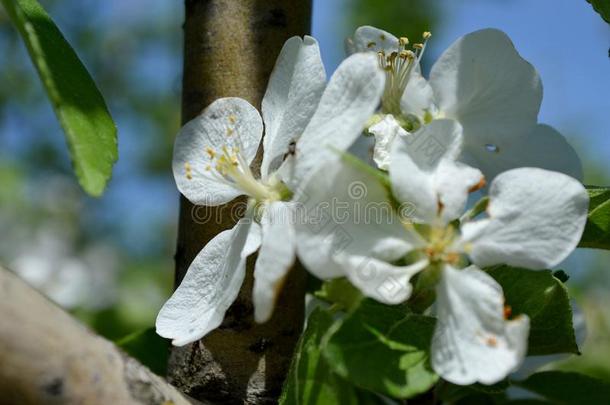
418,97
483,82
275,258
385,131
380,280
253,241
423,172
227,121
209,287
454,181
536,218
543,147
363,149
472,341
371,39
346,210
351,97
295,87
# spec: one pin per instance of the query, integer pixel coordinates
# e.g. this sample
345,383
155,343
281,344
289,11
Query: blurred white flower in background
72,279
45,248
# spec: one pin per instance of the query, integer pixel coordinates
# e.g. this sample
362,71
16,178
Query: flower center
398,66
441,245
229,166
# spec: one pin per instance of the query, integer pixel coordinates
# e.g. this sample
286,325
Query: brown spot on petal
508,311
491,341
478,186
439,206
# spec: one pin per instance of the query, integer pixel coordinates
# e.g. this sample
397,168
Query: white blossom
534,220
304,122
480,81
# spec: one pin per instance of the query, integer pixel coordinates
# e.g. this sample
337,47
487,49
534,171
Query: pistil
229,166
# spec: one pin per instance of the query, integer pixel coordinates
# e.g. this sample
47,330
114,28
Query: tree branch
47,357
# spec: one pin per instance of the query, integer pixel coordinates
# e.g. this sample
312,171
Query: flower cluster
468,131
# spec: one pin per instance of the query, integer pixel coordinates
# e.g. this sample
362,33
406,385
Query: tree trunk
230,47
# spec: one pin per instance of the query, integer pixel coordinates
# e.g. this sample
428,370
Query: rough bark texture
47,357
230,47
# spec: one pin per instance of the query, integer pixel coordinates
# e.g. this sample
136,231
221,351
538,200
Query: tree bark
230,47
47,357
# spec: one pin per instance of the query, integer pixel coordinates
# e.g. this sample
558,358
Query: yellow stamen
452,258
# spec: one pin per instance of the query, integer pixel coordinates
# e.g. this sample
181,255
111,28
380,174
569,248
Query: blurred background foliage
109,260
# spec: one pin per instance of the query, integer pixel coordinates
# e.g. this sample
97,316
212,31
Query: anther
232,119
211,153
403,41
418,46
229,131
427,35
371,45
452,258
409,54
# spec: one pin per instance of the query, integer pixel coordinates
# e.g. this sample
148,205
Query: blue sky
564,39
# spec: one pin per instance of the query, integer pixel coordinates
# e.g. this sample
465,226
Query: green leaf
597,230
567,387
341,292
310,380
147,347
78,104
451,393
602,7
383,349
545,300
